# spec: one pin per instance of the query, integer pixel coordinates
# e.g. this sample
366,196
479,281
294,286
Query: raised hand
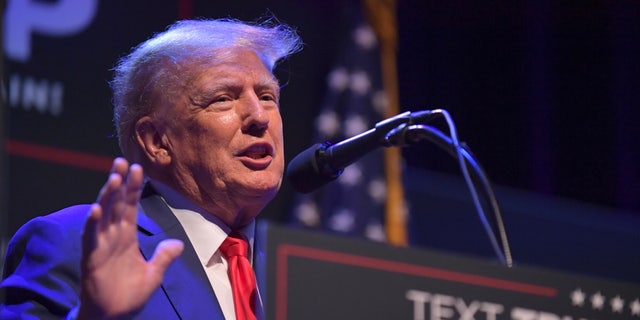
116,280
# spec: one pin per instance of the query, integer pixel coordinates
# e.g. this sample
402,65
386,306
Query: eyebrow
203,95
269,82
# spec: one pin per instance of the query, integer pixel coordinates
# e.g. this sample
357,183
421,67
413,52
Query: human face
224,136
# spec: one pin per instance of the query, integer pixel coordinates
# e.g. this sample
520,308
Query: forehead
205,73
232,63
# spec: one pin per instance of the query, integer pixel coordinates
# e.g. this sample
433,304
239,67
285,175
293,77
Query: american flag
354,203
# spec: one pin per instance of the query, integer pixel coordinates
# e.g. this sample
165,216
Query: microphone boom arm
324,162
405,135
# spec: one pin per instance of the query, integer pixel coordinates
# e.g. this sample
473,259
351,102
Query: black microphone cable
413,133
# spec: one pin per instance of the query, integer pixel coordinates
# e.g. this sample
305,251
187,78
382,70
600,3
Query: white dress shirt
206,233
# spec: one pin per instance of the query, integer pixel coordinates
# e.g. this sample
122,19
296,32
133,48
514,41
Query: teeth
255,155
256,152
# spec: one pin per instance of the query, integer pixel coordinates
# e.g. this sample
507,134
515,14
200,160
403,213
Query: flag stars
635,307
360,83
364,37
351,176
343,220
375,232
354,125
338,79
597,301
378,190
328,123
308,214
354,101
577,297
380,102
617,304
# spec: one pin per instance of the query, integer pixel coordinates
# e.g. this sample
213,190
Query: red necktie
243,281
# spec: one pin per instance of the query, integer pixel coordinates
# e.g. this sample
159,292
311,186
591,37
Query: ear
150,141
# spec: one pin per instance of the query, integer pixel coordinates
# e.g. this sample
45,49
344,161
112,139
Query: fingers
108,194
166,252
118,170
134,185
109,197
90,228
120,194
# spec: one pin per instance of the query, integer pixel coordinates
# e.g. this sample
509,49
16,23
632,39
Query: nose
255,117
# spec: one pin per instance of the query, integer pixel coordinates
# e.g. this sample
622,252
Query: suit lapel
185,283
260,265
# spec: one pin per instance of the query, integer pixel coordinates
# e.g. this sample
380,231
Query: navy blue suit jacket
42,267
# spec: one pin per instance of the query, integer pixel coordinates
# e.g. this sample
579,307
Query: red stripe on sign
286,250
56,155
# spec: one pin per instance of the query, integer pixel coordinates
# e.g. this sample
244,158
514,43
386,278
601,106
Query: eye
220,102
223,98
267,97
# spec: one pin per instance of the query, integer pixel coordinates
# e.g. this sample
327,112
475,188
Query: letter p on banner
23,18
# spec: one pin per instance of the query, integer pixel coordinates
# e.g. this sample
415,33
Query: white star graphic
597,300
635,307
577,297
617,304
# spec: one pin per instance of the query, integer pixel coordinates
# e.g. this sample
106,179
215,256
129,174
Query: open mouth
257,151
257,156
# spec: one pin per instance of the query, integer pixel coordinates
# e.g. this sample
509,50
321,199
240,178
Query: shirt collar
205,231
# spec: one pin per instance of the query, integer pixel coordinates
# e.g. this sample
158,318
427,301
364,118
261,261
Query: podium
310,275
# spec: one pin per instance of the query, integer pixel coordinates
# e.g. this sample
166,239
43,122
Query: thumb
166,252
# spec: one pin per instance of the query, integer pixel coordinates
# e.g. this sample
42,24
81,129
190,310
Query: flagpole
382,17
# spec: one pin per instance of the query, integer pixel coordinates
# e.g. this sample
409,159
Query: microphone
324,162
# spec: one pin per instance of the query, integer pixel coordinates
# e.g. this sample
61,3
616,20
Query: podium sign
309,275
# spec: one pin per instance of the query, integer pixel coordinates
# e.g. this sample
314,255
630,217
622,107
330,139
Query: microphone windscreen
304,172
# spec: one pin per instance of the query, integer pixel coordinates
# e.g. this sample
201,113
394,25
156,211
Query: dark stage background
546,94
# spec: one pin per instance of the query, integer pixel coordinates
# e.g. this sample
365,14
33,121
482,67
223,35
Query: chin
260,189
268,190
